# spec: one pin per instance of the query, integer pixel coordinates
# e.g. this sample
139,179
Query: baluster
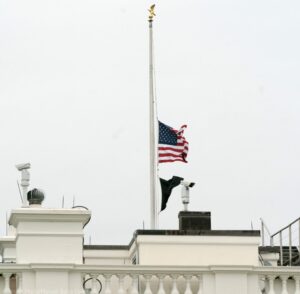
188,284
283,283
148,289
19,284
271,284
262,283
107,284
161,289
83,278
121,284
94,284
134,285
297,284
174,287
200,283
6,289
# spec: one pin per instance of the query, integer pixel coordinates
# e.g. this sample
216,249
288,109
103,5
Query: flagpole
153,163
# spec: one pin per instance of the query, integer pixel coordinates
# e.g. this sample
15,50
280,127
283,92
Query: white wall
106,257
49,235
197,250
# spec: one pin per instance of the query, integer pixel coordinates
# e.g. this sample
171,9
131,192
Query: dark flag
166,189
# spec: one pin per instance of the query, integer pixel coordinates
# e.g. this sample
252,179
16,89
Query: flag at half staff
172,145
166,189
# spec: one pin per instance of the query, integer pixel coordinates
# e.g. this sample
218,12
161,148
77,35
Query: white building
44,252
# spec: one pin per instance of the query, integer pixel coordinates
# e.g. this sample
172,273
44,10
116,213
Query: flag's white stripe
170,158
174,150
171,146
170,151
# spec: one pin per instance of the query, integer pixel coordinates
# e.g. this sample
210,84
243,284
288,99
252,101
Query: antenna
25,179
20,191
73,200
63,201
6,223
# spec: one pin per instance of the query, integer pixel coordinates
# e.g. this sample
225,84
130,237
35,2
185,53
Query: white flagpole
153,163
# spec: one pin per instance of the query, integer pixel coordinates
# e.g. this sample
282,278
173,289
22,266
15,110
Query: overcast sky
74,103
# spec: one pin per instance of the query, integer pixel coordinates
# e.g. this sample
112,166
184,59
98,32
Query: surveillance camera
23,166
187,184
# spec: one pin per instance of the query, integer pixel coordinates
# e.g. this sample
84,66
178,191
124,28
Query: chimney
194,220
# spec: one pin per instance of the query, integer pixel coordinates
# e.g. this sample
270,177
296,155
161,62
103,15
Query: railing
154,279
121,279
281,280
264,230
290,236
146,280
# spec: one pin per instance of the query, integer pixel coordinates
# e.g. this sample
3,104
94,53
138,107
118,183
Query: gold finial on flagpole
152,13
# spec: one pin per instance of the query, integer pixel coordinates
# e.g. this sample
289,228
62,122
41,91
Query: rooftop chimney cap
35,196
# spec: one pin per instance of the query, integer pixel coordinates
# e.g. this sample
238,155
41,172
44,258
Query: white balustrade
20,284
161,289
271,284
174,284
188,289
94,284
282,283
81,290
121,284
148,289
107,284
284,279
134,284
297,284
200,284
6,289
151,279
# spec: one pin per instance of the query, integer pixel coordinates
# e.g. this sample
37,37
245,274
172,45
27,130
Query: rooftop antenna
63,202
185,193
25,178
20,193
6,223
73,200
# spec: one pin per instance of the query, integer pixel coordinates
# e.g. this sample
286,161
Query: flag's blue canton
167,135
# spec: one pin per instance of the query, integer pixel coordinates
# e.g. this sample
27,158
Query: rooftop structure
44,252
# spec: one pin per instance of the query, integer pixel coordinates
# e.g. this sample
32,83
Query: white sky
74,103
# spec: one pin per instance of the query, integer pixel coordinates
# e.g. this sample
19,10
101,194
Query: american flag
172,146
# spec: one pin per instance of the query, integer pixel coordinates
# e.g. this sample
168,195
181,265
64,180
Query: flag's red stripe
170,155
171,160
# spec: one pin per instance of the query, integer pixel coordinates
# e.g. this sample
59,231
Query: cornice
49,215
